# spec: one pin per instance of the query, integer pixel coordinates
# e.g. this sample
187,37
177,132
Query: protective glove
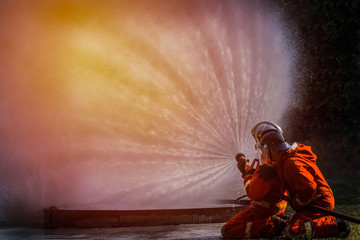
267,171
241,165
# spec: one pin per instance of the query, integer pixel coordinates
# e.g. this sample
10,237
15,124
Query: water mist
133,104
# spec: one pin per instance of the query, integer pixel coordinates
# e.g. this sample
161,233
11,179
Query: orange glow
103,100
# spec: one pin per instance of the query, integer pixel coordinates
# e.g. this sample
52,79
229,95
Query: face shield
263,155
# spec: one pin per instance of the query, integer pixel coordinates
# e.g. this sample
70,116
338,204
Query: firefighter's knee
224,231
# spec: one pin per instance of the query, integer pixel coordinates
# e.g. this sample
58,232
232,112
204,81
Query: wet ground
183,231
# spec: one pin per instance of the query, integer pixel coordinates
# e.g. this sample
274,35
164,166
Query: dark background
325,109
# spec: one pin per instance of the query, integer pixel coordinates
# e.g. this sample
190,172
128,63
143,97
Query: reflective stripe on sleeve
305,203
316,197
247,183
300,202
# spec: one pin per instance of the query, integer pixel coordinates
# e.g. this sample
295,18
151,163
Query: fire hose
319,209
314,208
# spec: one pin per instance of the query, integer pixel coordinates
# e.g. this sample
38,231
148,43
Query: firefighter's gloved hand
241,165
267,171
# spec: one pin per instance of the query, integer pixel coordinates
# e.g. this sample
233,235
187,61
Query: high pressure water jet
133,104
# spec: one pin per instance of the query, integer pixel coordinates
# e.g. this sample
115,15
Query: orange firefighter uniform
256,220
302,178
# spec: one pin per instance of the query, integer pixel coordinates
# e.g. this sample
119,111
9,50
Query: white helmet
264,127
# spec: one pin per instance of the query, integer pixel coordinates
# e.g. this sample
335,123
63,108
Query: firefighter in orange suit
296,167
259,218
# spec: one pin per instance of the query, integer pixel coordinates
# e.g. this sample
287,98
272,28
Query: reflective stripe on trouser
248,229
312,225
247,225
